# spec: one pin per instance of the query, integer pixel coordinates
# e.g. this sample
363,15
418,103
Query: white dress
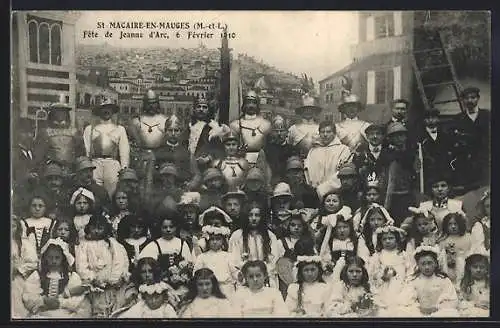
80,222
314,298
477,304
478,237
341,299
71,307
211,307
23,264
141,311
221,264
436,296
264,303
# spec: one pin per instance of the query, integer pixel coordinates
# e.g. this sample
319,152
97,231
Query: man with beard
254,130
232,203
472,130
107,145
147,134
305,195
351,131
302,135
84,177
174,150
278,149
205,134
59,142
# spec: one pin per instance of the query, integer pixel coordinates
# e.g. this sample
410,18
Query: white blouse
141,311
266,302
211,307
314,298
220,263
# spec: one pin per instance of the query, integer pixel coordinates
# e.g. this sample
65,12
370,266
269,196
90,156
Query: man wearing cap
232,203
129,182
303,133
107,145
401,176
472,127
305,195
84,177
281,203
55,187
351,131
372,156
205,134
323,161
278,149
255,186
174,150
253,128
214,186
233,166
59,142
350,185
437,146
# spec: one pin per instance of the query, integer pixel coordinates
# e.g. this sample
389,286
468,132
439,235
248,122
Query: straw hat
282,189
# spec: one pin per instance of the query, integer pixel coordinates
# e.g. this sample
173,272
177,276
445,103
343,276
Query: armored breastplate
350,132
302,135
252,134
61,145
152,130
104,145
232,171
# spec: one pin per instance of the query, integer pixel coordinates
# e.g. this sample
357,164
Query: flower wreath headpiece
211,230
389,219
308,259
427,248
157,288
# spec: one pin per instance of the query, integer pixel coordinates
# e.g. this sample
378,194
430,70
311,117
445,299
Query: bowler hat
212,173
127,174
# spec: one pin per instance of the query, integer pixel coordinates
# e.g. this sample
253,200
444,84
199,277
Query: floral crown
427,248
308,259
211,230
157,288
389,219
390,228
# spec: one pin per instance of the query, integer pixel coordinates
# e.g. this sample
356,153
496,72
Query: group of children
332,262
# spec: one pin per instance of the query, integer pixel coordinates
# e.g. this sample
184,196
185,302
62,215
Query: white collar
250,117
335,141
371,147
352,119
433,135
173,145
473,116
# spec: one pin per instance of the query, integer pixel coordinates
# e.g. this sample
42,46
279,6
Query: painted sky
315,42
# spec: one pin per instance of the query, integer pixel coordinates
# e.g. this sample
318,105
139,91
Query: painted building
43,60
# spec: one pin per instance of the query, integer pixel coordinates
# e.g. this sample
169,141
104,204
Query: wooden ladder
433,67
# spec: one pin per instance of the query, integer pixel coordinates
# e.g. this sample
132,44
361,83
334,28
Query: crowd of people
256,218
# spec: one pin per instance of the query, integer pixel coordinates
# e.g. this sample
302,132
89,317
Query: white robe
435,293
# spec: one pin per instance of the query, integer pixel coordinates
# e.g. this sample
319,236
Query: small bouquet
364,306
179,274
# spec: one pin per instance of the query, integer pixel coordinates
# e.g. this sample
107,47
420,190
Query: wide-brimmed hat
308,102
212,173
190,199
106,103
127,174
396,127
240,194
61,104
282,189
83,163
469,90
168,168
350,99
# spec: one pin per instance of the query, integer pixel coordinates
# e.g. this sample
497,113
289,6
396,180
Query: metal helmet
279,123
150,97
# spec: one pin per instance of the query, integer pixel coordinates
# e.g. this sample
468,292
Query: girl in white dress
205,298
481,229
82,201
351,295
307,297
153,303
254,241
217,259
254,299
54,291
376,216
24,261
102,263
474,294
388,269
432,289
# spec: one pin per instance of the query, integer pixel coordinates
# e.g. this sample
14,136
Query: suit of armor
234,170
351,132
254,130
302,135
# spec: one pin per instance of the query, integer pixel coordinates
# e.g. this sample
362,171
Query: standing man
351,131
147,133
302,134
472,129
254,130
59,143
399,112
107,145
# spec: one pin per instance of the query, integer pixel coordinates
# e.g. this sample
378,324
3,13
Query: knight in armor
233,166
278,150
107,145
254,130
351,131
205,134
147,134
174,150
59,143
302,134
